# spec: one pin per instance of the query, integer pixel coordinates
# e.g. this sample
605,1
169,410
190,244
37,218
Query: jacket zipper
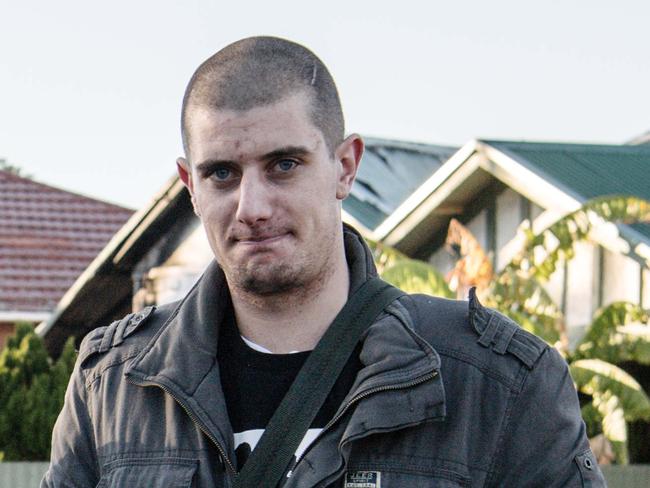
222,451
417,381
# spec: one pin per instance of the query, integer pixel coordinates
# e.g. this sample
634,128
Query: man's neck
296,320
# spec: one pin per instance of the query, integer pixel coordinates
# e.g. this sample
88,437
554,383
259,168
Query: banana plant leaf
613,423
542,251
596,377
619,332
383,255
414,276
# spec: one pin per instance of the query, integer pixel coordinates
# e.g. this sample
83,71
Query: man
437,392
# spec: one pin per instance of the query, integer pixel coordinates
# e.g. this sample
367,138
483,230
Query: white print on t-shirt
252,437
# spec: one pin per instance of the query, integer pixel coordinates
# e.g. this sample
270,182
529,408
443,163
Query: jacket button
588,464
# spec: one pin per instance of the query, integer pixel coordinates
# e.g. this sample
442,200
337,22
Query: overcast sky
90,92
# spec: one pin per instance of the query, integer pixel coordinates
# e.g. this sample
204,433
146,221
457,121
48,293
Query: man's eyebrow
210,164
287,151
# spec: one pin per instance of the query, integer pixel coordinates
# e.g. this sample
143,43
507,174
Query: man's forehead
299,103
255,131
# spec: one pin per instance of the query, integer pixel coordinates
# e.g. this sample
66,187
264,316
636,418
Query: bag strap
269,460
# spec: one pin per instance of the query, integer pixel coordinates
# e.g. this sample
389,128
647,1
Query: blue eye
286,164
221,173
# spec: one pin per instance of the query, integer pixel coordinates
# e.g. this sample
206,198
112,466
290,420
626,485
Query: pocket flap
149,473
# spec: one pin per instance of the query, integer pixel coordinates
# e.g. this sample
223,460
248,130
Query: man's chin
265,281
268,286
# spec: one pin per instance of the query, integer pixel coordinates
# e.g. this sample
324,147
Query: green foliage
410,275
595,375
383,255
526,302
414,276
32,388
618,333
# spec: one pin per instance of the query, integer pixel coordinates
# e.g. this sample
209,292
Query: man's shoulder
127,335
469,332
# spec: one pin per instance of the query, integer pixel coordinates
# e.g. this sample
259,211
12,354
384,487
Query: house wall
580,290
478,226
508,218
442,260
621,278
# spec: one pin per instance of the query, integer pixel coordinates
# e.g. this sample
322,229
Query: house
405,195
48,236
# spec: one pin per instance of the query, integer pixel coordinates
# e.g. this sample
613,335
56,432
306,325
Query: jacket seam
205,375
477,467
108,458
86,406
116,362
513,401
482,367
440,472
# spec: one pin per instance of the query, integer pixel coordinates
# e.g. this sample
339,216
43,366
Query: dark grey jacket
450,395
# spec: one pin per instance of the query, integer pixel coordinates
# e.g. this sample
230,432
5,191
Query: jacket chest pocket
149,473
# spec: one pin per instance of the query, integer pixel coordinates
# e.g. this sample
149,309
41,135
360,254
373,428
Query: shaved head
259,71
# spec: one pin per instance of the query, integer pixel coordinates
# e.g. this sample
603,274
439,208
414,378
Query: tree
32,388
13,169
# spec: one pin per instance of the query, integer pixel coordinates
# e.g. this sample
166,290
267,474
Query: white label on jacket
363,479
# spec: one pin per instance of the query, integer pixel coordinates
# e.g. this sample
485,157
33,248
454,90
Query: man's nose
254,203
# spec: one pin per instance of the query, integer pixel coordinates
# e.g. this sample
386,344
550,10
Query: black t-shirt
254,383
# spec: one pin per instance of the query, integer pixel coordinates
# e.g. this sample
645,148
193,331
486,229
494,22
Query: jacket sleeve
73,461
544,442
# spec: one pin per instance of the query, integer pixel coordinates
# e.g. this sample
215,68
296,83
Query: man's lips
261,239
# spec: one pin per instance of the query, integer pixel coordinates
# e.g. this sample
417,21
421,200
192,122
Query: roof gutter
18,316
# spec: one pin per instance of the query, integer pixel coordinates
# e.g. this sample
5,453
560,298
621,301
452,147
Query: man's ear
185,174
348,156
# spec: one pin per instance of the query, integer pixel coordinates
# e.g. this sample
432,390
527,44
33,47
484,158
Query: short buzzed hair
259,71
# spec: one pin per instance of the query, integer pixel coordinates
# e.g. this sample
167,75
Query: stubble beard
303,276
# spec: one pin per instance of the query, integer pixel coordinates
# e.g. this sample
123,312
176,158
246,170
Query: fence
21,475
28,475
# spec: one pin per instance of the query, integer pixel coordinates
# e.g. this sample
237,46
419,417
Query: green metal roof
389,172
585,171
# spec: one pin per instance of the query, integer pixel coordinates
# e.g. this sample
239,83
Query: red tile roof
48,236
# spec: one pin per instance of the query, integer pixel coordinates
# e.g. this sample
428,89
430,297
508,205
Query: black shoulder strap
286,429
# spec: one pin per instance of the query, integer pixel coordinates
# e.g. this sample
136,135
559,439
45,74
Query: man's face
268,192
